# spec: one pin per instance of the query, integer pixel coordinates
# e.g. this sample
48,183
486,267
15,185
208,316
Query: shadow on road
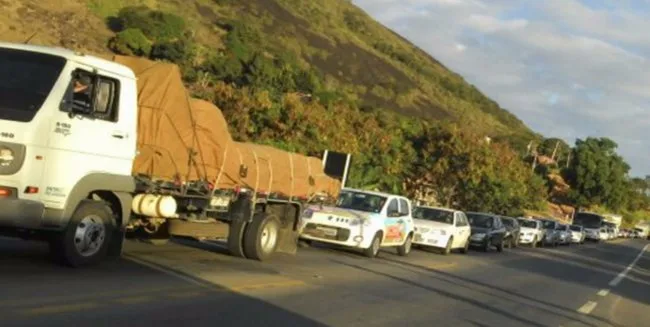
36,292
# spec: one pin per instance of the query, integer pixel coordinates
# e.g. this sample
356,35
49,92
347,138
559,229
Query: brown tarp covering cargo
172,127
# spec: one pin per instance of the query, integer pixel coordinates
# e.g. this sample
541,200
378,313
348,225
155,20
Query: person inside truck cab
81,93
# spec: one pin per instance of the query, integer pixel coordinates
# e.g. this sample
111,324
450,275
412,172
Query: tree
548,148
597,174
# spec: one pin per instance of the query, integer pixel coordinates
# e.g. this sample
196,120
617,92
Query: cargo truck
93,146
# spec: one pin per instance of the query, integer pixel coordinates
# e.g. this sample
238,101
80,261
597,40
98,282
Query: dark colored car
512,231
487,230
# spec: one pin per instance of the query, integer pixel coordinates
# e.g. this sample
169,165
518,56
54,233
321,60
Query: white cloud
566,68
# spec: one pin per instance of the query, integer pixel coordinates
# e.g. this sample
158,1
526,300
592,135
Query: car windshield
439,215
361,201
28,78
508,222
480,220
528,223
548,224
575,228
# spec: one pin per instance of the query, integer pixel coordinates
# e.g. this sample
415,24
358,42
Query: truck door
95,137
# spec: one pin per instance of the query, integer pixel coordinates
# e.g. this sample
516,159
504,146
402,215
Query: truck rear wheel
85,240
262,236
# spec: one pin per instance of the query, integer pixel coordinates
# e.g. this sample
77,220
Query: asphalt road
194,284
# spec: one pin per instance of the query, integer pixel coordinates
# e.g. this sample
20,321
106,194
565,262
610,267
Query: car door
461,229
392,223
499,230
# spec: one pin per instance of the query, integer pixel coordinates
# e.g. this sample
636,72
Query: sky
567,68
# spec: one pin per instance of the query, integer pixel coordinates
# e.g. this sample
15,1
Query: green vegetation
312,75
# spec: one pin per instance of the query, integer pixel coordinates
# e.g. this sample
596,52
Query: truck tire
236,238
262,236
85,240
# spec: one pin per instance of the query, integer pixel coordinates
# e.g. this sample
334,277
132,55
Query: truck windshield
361,201
27,78
442,216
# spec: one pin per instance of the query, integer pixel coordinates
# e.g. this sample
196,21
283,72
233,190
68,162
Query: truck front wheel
261,237
86,239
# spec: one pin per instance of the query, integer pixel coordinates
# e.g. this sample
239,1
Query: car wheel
500,246
373,249
404,249
447,249
465,249
487,245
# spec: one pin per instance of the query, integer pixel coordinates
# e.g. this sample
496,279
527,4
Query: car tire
373,249
500,247
465,249
487,245
404,249
447,248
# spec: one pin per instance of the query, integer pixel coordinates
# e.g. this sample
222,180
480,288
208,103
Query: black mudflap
288,241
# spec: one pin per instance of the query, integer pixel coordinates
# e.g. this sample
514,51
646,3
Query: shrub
131,41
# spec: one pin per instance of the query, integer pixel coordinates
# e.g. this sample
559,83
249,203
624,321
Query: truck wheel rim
89,235
269,237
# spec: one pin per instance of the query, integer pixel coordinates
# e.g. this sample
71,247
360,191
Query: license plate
327,231
219,201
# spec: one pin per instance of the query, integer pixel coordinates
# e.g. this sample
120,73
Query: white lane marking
603,292
588,307
623,273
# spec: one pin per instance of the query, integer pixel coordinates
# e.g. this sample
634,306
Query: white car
441,228
531,231
363,220
577,234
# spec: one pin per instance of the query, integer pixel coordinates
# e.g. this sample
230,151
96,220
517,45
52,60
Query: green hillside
350,52
312,75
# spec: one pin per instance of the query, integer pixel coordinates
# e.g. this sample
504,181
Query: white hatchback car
361,219
441,228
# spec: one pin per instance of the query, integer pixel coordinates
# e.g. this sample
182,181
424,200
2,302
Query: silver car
552,236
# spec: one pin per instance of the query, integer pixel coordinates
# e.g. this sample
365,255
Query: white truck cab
67,136
363,220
